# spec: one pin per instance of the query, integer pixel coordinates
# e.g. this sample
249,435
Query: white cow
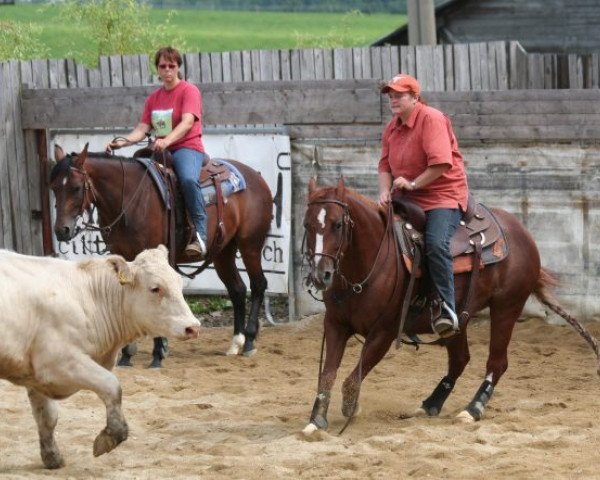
62,324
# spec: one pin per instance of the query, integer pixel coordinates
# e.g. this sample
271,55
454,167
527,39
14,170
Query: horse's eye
339,225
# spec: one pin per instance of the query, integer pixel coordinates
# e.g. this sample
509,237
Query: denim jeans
187,164
441,225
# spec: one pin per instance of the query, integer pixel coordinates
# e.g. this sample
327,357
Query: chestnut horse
353,260
132,217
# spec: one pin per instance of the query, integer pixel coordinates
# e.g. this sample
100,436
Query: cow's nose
192,332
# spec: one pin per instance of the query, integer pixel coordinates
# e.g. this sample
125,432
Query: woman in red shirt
174,112
420,158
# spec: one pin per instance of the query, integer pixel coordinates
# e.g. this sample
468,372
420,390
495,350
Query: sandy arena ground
208,416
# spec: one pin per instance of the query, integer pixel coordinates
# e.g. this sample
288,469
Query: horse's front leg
336,337
127,352
45,412
458,358
159,352
376,345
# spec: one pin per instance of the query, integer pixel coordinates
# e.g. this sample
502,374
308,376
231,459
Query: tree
19,41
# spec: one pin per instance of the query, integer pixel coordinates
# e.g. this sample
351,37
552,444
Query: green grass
210,30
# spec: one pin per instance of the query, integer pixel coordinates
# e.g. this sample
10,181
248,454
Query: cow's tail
543,292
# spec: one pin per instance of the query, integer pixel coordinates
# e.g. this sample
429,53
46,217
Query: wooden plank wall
450,68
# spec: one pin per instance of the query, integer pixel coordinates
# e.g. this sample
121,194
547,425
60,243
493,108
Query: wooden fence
317,93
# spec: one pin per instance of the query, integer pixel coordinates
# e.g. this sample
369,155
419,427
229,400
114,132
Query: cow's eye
155,289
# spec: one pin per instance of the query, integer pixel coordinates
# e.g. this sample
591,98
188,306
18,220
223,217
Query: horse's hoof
250,353
465,417
237,344
419,412
310,429
124,362
155,364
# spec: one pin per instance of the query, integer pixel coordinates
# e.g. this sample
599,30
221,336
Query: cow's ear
164,250
121,268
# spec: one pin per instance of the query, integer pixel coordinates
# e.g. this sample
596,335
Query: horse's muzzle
322,275
64,233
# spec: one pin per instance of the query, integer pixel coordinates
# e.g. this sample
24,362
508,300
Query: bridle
347,227
89,200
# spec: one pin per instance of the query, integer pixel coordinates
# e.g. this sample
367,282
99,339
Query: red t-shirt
425,139
163,111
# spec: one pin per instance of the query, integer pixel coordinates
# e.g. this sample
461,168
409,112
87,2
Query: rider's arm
136,135
187,121
430,174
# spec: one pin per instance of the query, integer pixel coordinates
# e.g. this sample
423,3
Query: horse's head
328,230
71,186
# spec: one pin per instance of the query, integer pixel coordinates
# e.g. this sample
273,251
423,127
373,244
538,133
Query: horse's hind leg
458,358
228,273
502,322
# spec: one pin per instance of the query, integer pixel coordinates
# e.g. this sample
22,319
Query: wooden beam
305,102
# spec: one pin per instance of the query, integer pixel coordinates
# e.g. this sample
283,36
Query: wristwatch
413,185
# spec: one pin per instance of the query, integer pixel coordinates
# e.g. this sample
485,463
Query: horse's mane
63,167
106,156
324,192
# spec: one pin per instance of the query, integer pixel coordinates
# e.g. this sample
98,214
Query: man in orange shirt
420,158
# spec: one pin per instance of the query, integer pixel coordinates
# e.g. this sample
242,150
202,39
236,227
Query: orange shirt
425,139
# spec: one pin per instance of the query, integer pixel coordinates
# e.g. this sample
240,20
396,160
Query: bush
19,41
120,27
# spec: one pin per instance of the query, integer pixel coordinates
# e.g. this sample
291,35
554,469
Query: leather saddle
477,229
181,228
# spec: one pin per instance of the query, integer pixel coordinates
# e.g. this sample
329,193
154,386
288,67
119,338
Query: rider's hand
160,144
401,183
114,145
385,198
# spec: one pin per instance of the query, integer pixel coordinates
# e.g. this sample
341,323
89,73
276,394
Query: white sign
269,153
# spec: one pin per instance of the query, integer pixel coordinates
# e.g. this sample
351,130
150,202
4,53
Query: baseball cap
402,83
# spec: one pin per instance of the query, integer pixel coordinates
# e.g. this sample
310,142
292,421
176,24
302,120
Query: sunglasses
164,66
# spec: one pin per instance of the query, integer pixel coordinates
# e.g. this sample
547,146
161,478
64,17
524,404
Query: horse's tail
543,292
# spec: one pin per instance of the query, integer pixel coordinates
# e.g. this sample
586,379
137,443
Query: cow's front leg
80,372
45,412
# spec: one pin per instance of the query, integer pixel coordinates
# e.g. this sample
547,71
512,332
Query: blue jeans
441,225
187,164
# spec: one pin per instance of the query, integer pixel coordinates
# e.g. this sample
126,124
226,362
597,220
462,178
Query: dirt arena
208,416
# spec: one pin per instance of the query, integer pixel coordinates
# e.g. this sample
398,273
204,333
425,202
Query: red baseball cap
402,83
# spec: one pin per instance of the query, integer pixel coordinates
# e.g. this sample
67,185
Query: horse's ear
59,153
79,160
312,185
341,187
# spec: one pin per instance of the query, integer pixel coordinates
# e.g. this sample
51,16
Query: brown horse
353,261
132,217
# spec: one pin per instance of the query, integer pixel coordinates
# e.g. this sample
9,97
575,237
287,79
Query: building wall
553,188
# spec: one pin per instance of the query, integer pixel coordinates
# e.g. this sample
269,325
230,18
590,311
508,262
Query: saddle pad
234,183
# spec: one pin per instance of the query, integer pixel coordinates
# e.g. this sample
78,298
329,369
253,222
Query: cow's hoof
237,344
104,443
465,417
53,460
